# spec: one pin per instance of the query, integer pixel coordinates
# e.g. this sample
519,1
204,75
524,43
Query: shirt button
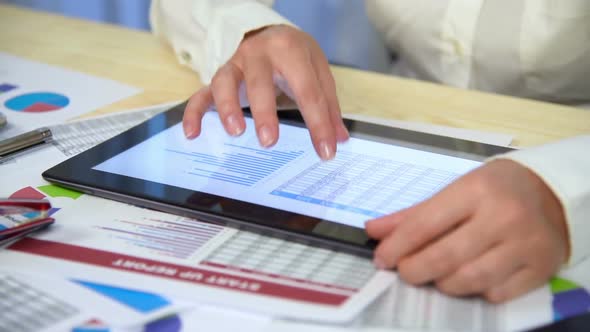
185,56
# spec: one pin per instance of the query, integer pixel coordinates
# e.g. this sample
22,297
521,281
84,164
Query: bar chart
238,164
179,238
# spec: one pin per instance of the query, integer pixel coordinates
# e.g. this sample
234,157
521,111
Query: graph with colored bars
281,259
25,308
364,184
177,237
239,165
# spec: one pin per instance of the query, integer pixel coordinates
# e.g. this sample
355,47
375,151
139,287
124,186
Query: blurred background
341,27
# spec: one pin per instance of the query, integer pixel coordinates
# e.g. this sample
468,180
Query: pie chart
37,102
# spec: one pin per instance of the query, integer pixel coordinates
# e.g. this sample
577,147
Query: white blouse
530,48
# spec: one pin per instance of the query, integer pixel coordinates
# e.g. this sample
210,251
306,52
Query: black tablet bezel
78,173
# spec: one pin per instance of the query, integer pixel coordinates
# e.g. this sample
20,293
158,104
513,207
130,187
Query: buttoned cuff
226,27
564,166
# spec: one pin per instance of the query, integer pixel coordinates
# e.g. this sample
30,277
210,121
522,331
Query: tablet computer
285,190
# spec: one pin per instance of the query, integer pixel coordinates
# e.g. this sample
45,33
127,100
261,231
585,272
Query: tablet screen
365,180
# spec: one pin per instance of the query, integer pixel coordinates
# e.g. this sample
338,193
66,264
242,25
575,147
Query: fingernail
378,263
265,136
189,130
326,151
233,125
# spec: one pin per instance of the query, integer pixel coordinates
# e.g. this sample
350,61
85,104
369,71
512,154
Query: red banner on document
177,272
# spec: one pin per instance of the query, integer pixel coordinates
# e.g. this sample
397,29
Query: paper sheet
208,318
33,94
77,136
42,308
538,307
125,245
34,301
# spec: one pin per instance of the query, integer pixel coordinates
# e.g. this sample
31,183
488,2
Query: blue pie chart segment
37,102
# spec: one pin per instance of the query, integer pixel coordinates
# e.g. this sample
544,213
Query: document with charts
33,300
110,242
34,94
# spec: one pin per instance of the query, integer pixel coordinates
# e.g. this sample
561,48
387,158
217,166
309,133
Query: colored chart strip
5,87
44,191
166,324
143,302
569,299
137,300
57,191
27,193
93,325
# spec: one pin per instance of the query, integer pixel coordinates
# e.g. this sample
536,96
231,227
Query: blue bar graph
178,238
239,164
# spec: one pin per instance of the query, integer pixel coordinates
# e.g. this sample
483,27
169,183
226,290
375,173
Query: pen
2,120
24,141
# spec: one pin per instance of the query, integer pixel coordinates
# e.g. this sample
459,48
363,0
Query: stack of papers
105,264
